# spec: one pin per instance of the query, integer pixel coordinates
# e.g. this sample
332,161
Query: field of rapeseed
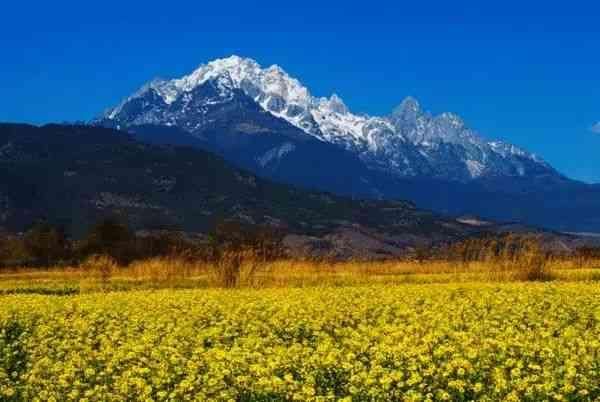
525,342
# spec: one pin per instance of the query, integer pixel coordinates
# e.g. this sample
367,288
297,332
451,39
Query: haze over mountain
268,122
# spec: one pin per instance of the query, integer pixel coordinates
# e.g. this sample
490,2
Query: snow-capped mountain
408,143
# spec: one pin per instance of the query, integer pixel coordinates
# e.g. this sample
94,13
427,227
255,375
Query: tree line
45,245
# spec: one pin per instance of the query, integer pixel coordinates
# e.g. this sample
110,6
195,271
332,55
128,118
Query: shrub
46,244
236,268
112,238
239,251
101,266
532,262
522,257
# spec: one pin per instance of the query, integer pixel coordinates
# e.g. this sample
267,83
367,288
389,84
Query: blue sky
525,73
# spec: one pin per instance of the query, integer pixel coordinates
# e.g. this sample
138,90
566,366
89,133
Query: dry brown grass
103,274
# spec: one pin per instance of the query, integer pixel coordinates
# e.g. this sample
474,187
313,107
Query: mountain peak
335,104
407,142
409,108
410,103
275,69
451,120
235,66
230,62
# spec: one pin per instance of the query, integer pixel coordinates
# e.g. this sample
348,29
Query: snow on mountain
409,142
275,153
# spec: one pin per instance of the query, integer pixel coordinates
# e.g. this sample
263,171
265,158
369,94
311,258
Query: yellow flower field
521,342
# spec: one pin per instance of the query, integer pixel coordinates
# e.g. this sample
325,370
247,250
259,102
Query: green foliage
42,245
13,252
46,244
112,238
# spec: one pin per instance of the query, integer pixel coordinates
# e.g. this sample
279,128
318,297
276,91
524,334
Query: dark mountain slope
567,205
228,122
267,122
553,202
74,175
